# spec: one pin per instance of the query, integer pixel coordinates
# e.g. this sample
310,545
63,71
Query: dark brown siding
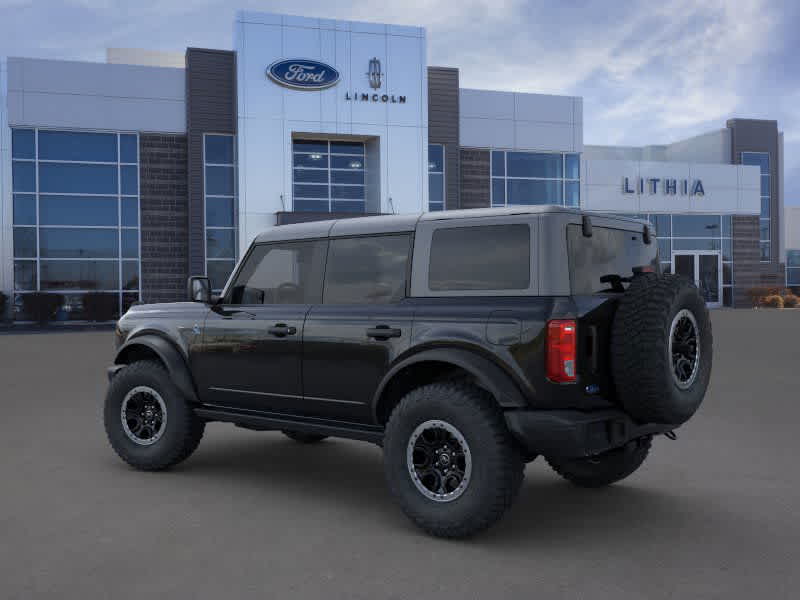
474,178
443,126
164,215
210,108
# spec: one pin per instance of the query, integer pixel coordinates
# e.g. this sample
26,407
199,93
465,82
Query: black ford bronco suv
465,343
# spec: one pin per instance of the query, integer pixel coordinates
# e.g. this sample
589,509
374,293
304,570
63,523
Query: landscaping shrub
773,301
41,306
99,306
790,301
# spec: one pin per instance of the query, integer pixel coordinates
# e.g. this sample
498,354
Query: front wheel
603,469
450,461
148,422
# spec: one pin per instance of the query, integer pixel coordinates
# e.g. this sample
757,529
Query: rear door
250,357
362,324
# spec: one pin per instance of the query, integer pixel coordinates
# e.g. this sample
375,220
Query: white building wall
511,120
729,189
81,95
147,58
791,228
713,147
270,114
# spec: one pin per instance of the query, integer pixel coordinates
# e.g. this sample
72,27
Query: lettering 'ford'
303,74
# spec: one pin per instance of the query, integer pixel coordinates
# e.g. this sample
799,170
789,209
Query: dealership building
127,176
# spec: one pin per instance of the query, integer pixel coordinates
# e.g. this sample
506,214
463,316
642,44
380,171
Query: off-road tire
603,469
303,437
182,432
497,467
642,366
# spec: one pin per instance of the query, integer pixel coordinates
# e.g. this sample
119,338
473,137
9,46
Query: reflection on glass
78,146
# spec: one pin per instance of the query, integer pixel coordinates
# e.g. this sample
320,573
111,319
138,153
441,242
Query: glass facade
761,160
793,268
681,233
219,159
436,193
535,178
328,176
76,217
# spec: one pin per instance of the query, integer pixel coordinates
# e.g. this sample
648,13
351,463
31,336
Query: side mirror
199,289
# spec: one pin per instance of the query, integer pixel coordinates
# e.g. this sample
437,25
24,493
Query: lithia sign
306,74
667,186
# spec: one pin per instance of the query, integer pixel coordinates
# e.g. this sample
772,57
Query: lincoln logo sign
667,186
302,74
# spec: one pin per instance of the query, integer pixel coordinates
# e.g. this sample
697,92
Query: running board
275,421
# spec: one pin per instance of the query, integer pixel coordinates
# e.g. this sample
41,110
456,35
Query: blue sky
649,72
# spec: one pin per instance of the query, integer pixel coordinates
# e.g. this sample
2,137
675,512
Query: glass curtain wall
793,268
219,158
535,178
436,177
328,176
76,217
761,160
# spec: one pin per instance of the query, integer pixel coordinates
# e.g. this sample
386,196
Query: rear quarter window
485,257
608,252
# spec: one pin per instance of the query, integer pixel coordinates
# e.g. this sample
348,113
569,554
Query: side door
252,341
363,323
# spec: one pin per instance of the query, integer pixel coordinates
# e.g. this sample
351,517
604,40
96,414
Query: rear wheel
147,420
302,437
450,461
603,469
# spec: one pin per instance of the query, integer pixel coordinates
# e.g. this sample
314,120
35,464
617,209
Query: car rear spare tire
661,349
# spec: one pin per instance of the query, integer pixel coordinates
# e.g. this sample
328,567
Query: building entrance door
705,269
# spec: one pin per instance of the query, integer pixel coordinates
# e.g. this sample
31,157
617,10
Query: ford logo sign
303,74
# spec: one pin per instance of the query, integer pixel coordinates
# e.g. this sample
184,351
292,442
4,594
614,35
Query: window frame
443,173
329,169
505,177
762,242
234,199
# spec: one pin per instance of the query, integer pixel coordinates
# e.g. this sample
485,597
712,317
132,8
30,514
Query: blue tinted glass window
663,225
351,192
23,143
25,242
304,205
219,181
498,163
130,212
346,162
766,251
77,210
696,225
530,164
80,275
128,149
314,175
24,209
130,243
220,243
521,191
793,258
765,185
310,146
726,225
696,244
572,192
664,248
727,249
219,212
498,192
218,272
764,229
765,207
23,176
347,206
25,275
78,243
573,166
347,148
315,161
80,146
77,179
219,149
435,158
310,191
353,177
759,159
436,188
129,180
793,277
130,275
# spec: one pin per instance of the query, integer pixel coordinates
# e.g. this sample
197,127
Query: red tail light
561,350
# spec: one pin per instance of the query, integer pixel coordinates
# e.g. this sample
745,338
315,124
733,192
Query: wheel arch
442,363
154,347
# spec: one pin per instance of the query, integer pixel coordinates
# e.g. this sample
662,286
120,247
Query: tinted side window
607,252
367,270
487,257
282,273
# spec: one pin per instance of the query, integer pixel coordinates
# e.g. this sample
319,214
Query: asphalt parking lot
254,515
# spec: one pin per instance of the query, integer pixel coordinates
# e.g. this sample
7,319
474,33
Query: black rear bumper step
574,434
276,421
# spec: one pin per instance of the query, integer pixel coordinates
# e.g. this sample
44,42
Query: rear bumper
573,433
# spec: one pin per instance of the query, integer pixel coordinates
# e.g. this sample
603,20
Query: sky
649,72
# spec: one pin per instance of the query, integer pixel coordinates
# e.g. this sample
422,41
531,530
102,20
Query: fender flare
490,376
171,357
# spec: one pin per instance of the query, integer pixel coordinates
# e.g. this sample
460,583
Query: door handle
383,332
282,330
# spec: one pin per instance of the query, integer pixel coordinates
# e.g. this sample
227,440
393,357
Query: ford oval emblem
303,74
